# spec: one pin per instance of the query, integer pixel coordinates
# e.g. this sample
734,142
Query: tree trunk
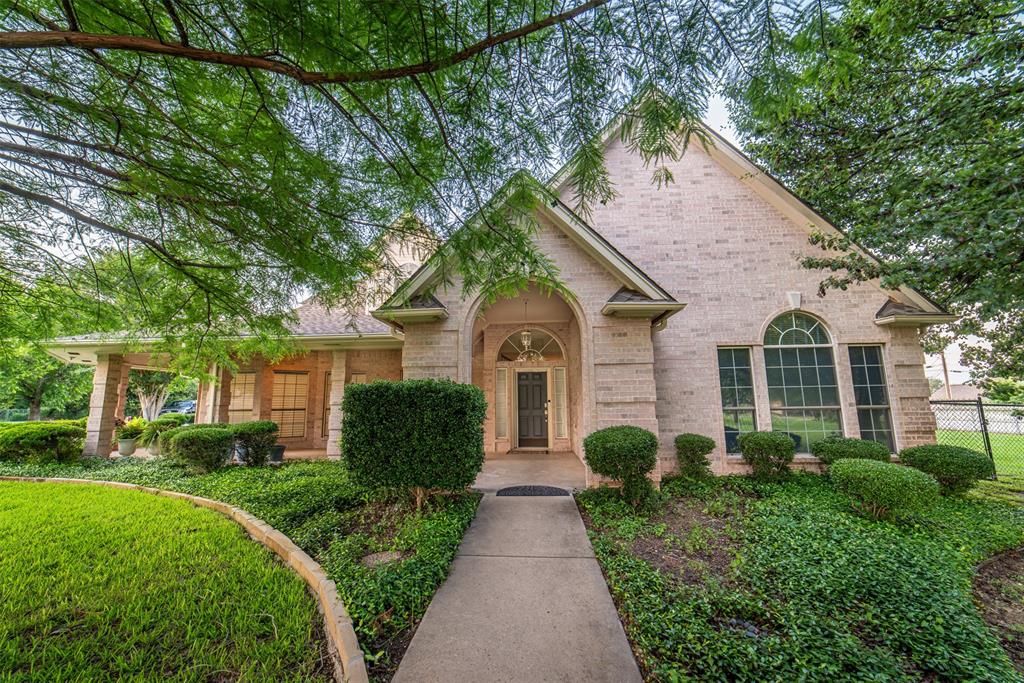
35,403
152,404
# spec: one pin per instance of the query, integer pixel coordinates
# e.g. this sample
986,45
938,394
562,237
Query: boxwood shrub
882,489
255,441
626,454
413,434
833,448
956,469
692,452
768,454
41,442
204,450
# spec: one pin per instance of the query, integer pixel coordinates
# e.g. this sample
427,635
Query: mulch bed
999,593
696,546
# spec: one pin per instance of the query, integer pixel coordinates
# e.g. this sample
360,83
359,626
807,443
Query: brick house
689,313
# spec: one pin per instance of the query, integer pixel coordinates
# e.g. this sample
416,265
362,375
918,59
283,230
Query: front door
533,409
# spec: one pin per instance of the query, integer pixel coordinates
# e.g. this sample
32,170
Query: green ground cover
337,522
735,581
1007,449
105,584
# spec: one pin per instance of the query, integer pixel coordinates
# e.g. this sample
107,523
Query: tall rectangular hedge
421,433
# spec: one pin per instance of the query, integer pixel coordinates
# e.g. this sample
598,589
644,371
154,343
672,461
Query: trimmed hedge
833,448
626,454
204,450
768,454
692,452
956,469
255,441
41,442
178,419
881,489
414,434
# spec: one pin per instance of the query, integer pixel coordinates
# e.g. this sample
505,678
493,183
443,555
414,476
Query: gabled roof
771,189
898,313
629,275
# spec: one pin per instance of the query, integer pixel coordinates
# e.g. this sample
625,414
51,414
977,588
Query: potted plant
150,437
128,435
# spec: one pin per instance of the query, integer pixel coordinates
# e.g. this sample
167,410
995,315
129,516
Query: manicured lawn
338,524
1007,449
104,584
742,582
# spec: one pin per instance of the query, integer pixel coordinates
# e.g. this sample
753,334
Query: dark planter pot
277,454
241,452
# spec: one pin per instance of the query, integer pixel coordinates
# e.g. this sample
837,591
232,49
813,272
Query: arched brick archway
568,377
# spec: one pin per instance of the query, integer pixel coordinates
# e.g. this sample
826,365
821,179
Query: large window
872,398
288,406
243,392
802,390
737,383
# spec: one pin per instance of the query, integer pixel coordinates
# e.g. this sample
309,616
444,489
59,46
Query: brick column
122,391
220,412
107,392
338,369
206,407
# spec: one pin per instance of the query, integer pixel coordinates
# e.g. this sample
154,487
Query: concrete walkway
525,600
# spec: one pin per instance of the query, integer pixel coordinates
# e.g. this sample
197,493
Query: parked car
184,407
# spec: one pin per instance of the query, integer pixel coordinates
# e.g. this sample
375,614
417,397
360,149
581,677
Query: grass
784,582
337,523
105,584
1007,449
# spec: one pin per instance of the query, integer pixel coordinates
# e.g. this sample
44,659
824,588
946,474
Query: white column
338,369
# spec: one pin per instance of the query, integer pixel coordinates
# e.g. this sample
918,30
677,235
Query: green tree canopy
221,159
29,378
901,121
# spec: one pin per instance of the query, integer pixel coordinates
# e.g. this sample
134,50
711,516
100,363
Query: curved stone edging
349,665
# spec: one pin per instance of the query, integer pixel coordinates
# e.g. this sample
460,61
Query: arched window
530,345
802,388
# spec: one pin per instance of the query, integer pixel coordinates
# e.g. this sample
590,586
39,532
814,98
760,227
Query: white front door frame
514,408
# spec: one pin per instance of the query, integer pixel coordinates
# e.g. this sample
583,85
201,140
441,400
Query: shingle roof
631,296
957,392
893,307
314,320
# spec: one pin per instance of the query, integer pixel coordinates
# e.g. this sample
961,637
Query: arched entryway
526,356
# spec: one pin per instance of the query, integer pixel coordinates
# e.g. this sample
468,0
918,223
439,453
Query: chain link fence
995,429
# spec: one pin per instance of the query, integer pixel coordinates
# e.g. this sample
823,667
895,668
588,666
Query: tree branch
20,40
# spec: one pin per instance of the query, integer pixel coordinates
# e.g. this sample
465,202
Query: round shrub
768,454
626,454
881,489
956,469
178,419
255,441
165,440
204,450
834,448
41,442
692,452
414,434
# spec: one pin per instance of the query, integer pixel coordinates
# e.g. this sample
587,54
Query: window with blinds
288,406
561,409
501,403
243,392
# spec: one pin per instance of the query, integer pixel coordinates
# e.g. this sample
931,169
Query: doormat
532,491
